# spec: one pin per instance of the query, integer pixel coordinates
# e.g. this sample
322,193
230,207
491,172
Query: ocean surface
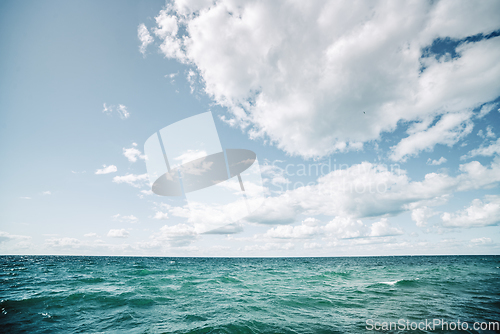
78,294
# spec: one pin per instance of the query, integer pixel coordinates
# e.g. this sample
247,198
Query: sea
108,294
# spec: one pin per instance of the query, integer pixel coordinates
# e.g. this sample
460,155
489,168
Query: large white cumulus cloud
315,77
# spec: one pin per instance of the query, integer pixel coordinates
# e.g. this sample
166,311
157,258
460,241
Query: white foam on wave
391,283
396,281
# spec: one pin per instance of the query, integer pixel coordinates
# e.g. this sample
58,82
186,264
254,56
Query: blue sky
403,98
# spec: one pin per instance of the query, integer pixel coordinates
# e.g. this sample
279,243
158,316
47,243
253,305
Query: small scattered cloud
91,235
134,180
167,28
6,236
106,169
132,154
127,219
303,231
485,109
478,214
485,151
171,76
191,78
180,235
120,109
421,215
275,175
348,228
25,197
448,131
108,110
190,155
312,245
46,192
481,241
489,133
161,215
118,233
269,246
441,161
382,228
145,38
233,228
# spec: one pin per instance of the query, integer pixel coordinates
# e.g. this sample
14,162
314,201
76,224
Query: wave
400,282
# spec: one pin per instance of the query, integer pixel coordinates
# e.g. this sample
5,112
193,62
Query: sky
376,124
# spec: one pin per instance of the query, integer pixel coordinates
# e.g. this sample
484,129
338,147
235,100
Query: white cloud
121,110
382,228
489,132
132,179
481,241
190,155
275,174
348,195
107,169
6,236
91,235
421,215
276,210
269,246
372,190
478,214
167,31
448,130
487,151
121,233
63,242
25,197
316,78
132,154
46,192
107,109
127,219
312,245
161,215
347,228
144,37
441,161
338,228
179,235
145,193
486,109
227,229
191,78
293,232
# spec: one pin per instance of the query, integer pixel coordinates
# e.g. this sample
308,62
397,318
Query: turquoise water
58,294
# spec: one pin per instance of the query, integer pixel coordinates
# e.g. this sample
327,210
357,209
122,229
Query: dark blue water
58,294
